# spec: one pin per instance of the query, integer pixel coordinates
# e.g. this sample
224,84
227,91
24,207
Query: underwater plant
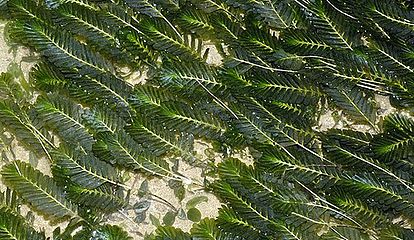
280,66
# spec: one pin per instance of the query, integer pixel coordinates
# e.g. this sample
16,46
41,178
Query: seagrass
284,64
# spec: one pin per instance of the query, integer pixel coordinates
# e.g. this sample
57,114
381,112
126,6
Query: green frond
392,18
261,43
90,26
52,4
46,78
281,165
358,105
260,218
331,26
28,10
195,21
369,216
60,48
110,232
190,77
176,114
158,141
294,114
393,233
234,226
255,188
186,119
277,14
83,168
9,201
170,233
395,143
285,87
390,57
124,151
260,125
150,9
86,23
134,44
244,61
65,118
145,97
206,229
210,6
101,119
302,42
120,17
260,201
379,194
349,139
14,227
10,89
38,190
363,75
106,200
226,29
350,159
162,38
18,122
169,6
105,90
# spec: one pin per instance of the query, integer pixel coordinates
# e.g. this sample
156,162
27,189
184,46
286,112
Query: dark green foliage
14,227
83,168
110,232
103,199
280,65
38,190
64,117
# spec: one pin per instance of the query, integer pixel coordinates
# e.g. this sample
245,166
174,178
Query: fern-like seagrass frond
18,122
392,19
171,233
64,117
329,24
207,229
9,89
110,232
390,56
106,200
100,119
158,141
60,48
10,201
13,227
122,150
190,77
162,38
393,146
360,106
82,168
277,14
195,21
89,25
284,87
37,189
150,9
